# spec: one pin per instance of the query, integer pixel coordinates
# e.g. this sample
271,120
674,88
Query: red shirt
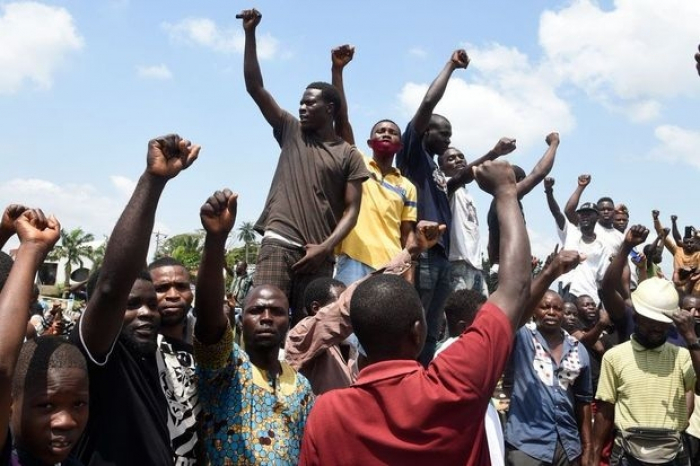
399,413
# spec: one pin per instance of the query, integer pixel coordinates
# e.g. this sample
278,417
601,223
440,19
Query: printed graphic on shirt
440,180
177,380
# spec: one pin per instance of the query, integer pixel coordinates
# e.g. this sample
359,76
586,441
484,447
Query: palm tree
185,247
73,249
246,233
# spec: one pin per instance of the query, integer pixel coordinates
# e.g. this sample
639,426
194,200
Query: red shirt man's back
398,413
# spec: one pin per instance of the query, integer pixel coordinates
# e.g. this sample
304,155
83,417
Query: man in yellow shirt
389,200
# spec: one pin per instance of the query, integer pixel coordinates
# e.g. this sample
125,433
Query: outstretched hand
218,214
251,19
169,155
11,214
33,227
636,235
584,180
460,59
655,214
342,55
503,147
548,183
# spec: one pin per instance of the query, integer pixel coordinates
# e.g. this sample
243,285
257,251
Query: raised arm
37,236
556,265
674,231
572,203
543,167
218,215
251,70
7,223
128,244
317,253
669,243
498,179
341,56
503,147
611,285
420,120
552,203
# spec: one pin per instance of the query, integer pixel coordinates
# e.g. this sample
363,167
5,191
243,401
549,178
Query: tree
246,233
74,248
97,256
185,247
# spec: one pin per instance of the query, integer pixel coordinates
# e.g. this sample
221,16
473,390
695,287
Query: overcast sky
85,84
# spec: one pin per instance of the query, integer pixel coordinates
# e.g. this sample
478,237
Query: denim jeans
433,284
348,270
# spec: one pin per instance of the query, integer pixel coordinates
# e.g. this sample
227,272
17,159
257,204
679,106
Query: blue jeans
433,284
348,270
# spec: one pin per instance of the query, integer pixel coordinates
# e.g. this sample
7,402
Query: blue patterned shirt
248,418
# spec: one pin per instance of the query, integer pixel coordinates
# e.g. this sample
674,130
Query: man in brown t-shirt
314,198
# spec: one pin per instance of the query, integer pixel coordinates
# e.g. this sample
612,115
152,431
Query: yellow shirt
386,202
647,386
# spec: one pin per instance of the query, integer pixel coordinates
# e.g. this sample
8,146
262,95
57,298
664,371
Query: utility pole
158,236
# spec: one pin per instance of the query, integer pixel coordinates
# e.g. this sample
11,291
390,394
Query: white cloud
159,72
629,57
205,32
418,52
123,184
36,39
507,96
677,145
75,205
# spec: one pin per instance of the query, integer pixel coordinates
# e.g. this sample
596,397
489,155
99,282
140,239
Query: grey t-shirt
307,194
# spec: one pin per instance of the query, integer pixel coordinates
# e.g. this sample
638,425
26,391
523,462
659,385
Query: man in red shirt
400,413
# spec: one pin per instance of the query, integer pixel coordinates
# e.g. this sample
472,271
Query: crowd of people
370,332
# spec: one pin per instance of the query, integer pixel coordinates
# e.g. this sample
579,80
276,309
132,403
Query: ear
418,334
461,326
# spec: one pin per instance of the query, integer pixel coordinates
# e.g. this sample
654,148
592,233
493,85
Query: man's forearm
432,97
125,256
211,321
251,67
554,209
514,271
602,427
572,204
342,121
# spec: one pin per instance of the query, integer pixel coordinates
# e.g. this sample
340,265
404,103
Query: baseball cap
588,206
656,299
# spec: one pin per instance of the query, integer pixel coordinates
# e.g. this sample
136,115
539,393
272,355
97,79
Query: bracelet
548,191
694,345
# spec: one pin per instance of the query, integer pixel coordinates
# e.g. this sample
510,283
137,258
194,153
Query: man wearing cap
584,279
643,381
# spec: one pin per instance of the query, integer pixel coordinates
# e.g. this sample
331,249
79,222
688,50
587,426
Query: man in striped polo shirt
643,382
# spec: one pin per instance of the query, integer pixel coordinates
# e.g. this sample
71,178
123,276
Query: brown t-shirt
307,194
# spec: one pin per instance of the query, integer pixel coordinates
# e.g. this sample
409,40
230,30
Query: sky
85,84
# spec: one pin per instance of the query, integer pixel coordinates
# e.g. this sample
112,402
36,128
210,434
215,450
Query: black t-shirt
128,411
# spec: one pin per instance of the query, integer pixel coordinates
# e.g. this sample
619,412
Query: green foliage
247,234
185,247
73,249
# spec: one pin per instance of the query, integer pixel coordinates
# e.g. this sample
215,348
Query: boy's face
47,420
